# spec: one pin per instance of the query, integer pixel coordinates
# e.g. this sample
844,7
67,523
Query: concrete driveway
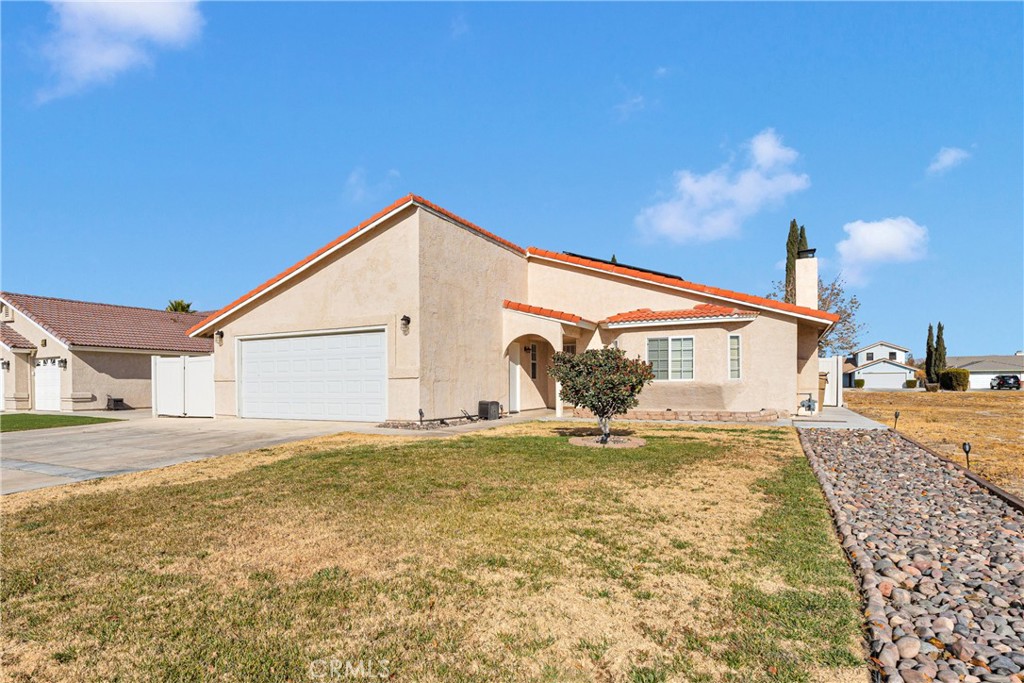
39,458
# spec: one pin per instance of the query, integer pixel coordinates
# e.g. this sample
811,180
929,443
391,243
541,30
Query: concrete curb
878,630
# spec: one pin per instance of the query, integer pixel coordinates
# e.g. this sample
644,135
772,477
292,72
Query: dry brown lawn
992,421
706,555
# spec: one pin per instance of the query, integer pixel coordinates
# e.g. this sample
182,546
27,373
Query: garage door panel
325,377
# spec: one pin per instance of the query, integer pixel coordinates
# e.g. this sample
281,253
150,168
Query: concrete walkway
837,418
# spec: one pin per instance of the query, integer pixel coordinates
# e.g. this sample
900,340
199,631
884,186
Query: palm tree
179,306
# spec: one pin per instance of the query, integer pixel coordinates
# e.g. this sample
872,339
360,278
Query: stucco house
65,355
882,365
984,368
416,309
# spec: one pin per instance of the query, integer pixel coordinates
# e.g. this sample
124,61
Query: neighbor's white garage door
318,377
884,380
47,384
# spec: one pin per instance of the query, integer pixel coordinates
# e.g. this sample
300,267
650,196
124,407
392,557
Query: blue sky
193,151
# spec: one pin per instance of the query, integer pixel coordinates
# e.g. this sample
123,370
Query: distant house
64,355
984,368
882,365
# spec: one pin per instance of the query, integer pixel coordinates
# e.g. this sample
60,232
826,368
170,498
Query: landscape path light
967,452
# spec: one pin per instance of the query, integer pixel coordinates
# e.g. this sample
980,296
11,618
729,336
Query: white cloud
713,206
629,106
359,190
890,240
459,26
947,158
661,72
93,42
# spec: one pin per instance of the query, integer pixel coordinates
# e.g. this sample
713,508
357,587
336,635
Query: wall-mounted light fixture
219,334
5,365
406,320
42,342
62,364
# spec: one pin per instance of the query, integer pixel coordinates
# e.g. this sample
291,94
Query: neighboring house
65,355
984,368
419,312
881,365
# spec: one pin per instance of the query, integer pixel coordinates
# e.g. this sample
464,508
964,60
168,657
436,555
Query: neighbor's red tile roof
679,283
82,323
545,312
643,315
12,339
407,200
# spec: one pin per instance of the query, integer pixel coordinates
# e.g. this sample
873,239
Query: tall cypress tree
929,358
792,244
802,241
940,352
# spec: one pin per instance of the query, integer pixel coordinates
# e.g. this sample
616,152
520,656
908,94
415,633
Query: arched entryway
530,386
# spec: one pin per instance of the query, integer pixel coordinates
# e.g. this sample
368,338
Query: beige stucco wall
768,343
373,282
807,362
464,278
95,374
17,378
767,366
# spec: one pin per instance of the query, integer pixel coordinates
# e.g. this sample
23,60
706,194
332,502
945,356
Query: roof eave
675,322
817,319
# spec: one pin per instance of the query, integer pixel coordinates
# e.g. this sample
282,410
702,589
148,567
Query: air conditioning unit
489,410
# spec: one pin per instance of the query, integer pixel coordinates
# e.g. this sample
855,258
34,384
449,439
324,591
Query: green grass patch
474,559
18,422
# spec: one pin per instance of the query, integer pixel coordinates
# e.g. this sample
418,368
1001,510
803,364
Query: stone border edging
877,622
1004,495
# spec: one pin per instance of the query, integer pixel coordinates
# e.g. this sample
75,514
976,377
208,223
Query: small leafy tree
603,381
179,306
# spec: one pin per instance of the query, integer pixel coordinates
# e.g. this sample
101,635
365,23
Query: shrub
603,381
910,384
931,386
955,379
859,383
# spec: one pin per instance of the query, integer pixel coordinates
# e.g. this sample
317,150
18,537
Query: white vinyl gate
47,384
338,376
183,386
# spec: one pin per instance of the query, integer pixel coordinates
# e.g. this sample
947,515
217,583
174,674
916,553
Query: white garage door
884,380
320,377
47,384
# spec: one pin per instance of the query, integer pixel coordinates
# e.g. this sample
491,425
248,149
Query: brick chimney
806,279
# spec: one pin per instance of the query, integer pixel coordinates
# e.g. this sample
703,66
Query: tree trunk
606,431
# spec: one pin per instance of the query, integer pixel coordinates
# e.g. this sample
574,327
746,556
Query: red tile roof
679,283
12,339
408,200
544,312
82,323
699,311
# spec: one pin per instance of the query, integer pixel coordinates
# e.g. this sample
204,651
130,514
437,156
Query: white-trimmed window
533,361
734,356
569,347
671,357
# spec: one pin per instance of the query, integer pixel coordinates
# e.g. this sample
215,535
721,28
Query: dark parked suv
1005,382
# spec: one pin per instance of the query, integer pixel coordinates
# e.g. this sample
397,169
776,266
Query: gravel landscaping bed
940,559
